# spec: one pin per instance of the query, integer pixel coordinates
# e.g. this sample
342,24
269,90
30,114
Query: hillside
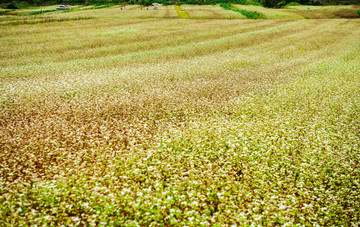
186,115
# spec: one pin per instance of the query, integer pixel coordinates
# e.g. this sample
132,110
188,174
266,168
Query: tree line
13,4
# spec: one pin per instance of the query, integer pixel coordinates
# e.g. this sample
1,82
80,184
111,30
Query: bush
358,12
22,4
293,4
281,4
12,5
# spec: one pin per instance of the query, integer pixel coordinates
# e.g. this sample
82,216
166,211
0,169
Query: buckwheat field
185,115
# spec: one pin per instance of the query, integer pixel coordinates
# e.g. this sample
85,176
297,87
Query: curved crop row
247,14
40,12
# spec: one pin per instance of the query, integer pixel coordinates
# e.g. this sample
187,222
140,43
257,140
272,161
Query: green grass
249,2
102,7
40,12
247,14
293,4
138,117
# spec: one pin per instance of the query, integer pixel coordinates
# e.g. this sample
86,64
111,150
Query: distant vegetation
11,4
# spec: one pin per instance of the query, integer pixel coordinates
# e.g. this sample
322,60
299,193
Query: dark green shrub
145,2
293,4
22,4
282,4
358,12
225,6
12,5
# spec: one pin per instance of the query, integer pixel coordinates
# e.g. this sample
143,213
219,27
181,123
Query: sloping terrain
138,117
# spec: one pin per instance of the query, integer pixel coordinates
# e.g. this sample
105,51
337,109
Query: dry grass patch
210,12
323,12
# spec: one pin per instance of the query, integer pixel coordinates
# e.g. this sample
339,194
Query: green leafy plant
12,5
247,14
293,4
